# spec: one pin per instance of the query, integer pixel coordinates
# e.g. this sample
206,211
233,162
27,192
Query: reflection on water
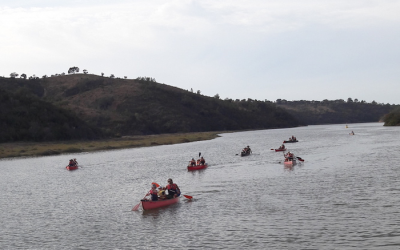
345,194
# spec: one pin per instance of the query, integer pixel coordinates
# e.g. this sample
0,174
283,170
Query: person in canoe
161,193
282,147
192,162
198,162
75,161
173,189
71,163
248,149
202,161
153,193
289,156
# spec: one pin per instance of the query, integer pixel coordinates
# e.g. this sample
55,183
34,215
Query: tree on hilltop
73,70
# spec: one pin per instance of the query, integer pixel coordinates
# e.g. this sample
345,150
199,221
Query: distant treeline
336,111
84,106
393,118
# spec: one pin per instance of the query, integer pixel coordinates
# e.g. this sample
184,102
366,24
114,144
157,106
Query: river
346,194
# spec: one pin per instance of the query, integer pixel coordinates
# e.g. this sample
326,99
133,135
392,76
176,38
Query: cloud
214,46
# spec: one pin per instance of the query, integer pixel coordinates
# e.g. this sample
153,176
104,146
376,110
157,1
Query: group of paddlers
73,162
289,156
246,150
172,189
282,147
292,138
200,161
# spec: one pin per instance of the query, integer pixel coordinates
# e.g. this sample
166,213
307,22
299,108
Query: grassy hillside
24,117
138,107
335,111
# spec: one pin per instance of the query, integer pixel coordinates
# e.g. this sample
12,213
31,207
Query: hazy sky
258,49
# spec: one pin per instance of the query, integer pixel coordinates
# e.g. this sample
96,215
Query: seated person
161,194
173,189
202,161
71,163
192,162
153,192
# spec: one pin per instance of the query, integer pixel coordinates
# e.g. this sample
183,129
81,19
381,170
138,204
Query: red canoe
278,150
290,163
147,205
71,167
198,167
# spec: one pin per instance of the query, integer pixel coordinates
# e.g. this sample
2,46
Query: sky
258,49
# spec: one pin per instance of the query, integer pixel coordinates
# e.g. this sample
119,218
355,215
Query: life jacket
173,189
154,195
172,186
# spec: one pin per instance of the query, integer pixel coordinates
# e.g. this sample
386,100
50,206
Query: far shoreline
37,149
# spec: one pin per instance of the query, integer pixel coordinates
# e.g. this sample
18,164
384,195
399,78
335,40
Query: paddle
135,208
188,196
299,158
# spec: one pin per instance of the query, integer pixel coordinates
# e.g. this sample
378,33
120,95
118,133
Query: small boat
290,141
71,167
147,205
197,167
280,149
290,162
244,153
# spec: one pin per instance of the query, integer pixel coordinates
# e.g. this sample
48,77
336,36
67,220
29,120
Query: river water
346,195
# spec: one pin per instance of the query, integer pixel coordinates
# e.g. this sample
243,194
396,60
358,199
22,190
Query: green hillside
335,111
140,107
393,118
24,117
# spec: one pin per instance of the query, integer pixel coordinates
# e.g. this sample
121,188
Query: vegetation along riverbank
30,149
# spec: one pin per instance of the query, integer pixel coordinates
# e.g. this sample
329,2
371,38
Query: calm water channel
346,195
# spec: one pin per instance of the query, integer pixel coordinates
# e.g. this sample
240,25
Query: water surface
344,196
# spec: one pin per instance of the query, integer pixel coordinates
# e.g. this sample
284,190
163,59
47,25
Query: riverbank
32,149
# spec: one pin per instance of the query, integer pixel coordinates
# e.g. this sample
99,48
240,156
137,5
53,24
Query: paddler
173,189
153,192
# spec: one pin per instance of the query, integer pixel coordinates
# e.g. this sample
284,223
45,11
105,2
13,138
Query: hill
24,117
335,111
140,107
393,118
